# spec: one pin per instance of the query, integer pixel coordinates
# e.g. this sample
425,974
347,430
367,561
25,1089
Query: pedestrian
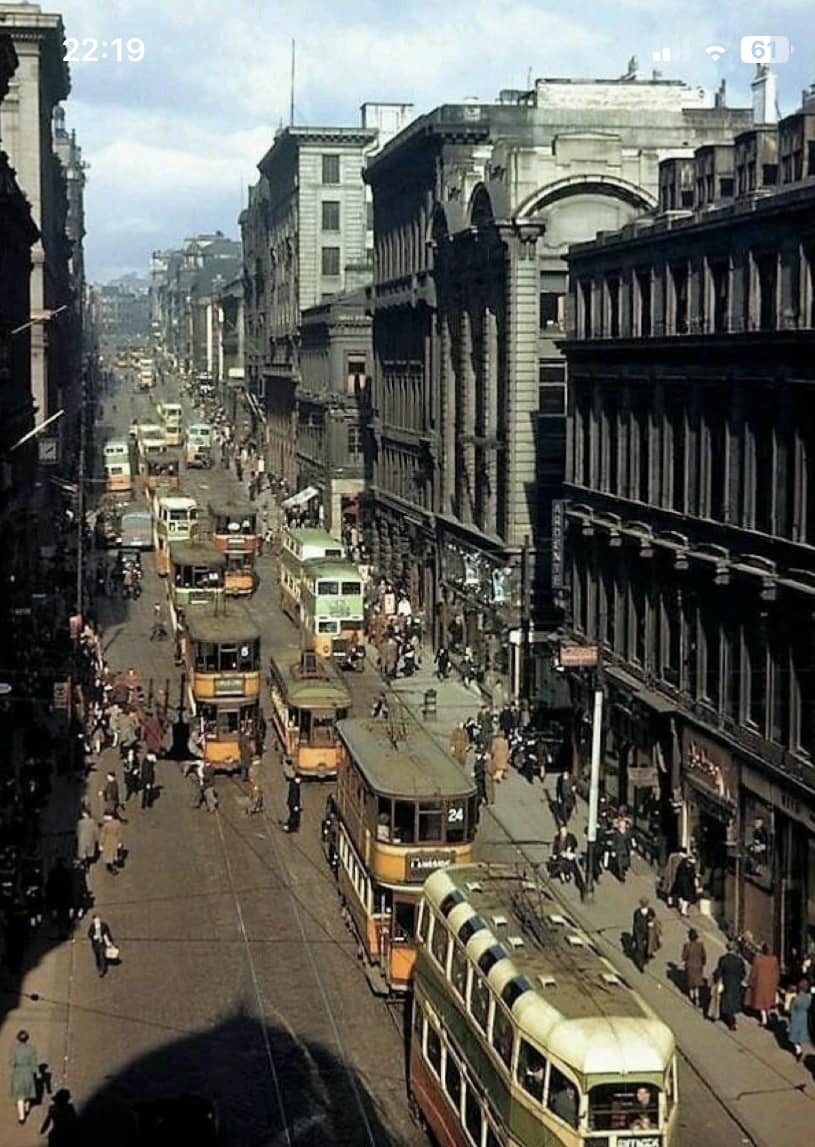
694,958
762,983
729,977
484,723
110,841
380,707
565,797
621,847
80,896
489,776
800,1011
132,772
499,753
61,1123
639,934
564,855
245,752
111,801
147,779
459,743
479,775
668,875
24,1065
654,940
159,630
102,943
442,663
293,804
683,890
255,805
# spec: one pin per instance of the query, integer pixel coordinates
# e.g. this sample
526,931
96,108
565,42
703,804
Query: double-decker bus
170,420
332,607
234,532
300,546
198,446
118,474
176,520
404,809
222,659
522,1032
308,698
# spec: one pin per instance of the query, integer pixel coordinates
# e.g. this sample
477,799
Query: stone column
466,399
447,396
490,420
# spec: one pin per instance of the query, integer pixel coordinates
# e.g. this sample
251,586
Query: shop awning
301,497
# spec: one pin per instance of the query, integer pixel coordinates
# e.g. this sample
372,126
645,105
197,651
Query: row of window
754,669
210,658
754,290
355,871
696,456
426,822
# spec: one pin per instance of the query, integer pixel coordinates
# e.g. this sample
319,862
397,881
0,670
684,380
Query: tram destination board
639,1141
229,686
419,865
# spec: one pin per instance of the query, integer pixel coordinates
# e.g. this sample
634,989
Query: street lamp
45,317
37,429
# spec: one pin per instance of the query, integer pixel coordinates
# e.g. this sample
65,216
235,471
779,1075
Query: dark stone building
474,208
691,523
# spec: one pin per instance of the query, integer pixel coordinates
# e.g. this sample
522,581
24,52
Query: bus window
433,1049
350,589
429,822
404,921
438,943
623,1106
473,1116
404,815
452,1081
328,627
328,589
458,971
502,1035
479,1001
531,1070
562,1098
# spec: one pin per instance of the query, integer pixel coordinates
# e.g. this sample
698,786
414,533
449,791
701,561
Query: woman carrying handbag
102,943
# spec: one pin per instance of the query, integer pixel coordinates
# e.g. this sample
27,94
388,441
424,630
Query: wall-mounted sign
579,656
48,450
558,523
709,766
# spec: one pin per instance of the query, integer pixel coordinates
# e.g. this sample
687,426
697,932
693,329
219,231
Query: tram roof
196,554
572,1000
164,457
177,502
311,536
331,567
399,758
233,509
203,624
318,686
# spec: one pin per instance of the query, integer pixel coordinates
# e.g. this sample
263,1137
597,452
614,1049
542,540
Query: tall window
765,476
767,268
678,459
720,275
717,456
679,274
644,285
639,618
613,306
644,436
331,261
755,648
331,169
713,656
673,636
780,723
354,443
732,668
331,215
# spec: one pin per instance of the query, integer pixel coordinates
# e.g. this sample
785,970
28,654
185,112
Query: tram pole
80,502
594,786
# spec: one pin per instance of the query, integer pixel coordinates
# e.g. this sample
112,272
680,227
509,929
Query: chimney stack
765,96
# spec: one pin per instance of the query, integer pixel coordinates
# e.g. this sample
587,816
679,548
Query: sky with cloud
172,141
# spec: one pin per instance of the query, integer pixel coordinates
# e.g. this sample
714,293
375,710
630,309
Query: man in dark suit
148,780
101,939
293,804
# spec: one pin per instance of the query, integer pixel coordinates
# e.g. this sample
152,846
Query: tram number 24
455,814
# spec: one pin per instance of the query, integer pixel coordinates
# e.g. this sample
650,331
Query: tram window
404,921
452,1081
473,1115
531,1070
328,588
438,942
424,919
669,1088
433,1052
562,1097
430,822
404,827
503,1035
479,1001
623,1106
206,657
229,658
383,819
458,970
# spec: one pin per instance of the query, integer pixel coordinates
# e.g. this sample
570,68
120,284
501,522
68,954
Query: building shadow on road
267,1086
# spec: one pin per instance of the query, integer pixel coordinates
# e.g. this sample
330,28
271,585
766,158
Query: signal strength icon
715,51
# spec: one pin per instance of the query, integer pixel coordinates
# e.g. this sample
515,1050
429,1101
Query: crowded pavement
210,958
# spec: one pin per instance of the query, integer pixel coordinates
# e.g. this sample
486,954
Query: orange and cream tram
234,532
308,698
404,809
222,659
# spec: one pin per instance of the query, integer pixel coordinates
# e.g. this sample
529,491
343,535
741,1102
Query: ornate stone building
474,208
691,522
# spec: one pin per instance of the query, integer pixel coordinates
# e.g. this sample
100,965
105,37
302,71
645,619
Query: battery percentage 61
765,49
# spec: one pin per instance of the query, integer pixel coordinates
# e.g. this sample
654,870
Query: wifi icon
715,51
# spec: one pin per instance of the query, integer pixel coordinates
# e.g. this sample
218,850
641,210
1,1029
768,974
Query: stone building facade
474,208
333,405
691,516
39,83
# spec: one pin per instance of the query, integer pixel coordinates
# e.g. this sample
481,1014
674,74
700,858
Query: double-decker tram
234,532
308,698
196,575
118,472
222,659
332,607
176,520
299,547
522,1032
404,809
162,472
170,420
198,446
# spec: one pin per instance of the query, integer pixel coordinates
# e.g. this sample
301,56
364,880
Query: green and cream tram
196,574
523,1033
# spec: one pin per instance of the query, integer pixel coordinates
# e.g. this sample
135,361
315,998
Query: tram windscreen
624,1107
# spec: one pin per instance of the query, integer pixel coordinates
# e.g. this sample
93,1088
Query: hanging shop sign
558,525
709,766
579,656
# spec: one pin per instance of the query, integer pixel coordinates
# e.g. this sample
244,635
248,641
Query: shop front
710,790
